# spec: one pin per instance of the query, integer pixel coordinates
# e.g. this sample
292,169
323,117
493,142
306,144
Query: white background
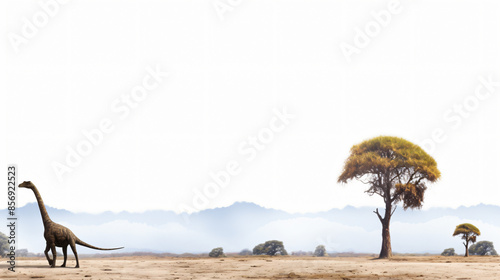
226,76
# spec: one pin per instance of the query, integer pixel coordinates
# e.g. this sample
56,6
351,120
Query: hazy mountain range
244,225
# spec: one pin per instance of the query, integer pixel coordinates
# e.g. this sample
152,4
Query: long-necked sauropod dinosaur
56,234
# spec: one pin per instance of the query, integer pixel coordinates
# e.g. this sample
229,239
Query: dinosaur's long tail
79,242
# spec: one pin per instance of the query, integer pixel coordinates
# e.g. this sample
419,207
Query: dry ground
144,267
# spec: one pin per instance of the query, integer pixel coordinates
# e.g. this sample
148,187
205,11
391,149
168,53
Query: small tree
245,252
271,248
469,233
448,252
4,245
217,253
483,248
320,251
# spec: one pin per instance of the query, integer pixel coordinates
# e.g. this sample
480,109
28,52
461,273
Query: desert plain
258,267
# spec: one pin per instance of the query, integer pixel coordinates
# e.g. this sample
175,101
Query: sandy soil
260,268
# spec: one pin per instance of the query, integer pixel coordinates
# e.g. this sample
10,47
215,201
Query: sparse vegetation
302,253
4,245
395,169
245,252
217,253
271,248
449,252
483,248
22,252
469,233
320,251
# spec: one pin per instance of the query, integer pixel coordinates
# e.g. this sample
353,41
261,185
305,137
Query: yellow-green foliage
387,162
466,230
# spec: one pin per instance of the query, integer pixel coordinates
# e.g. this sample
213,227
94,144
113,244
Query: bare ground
146,267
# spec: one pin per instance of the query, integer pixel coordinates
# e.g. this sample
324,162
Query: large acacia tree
395,169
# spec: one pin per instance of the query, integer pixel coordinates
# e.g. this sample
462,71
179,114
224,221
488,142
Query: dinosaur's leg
54,255
65,252
47,248
73,248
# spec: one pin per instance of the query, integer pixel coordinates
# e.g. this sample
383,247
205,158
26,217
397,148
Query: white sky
226,77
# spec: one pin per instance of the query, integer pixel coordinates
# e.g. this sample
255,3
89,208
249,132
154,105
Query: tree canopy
387,161
466,230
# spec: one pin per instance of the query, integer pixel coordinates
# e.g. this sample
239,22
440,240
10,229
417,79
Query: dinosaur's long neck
43,211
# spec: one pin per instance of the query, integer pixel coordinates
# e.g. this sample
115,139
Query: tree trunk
466,248
386,250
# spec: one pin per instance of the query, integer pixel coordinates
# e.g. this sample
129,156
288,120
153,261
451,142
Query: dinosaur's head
27,184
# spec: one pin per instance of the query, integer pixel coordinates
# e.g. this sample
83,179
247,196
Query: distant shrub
259,249
217,253
320,251
302,253
483,248
22,252
245,252
271,248
448,252
4,245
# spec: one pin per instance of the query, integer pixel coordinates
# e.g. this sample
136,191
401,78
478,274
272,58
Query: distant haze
244,225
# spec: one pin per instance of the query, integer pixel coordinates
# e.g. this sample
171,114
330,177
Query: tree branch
411,176
394,197
395,207
378,214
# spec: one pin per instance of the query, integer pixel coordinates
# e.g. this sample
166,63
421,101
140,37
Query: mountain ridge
245,224
347,207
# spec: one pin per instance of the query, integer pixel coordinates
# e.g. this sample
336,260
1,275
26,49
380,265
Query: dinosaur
56,234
